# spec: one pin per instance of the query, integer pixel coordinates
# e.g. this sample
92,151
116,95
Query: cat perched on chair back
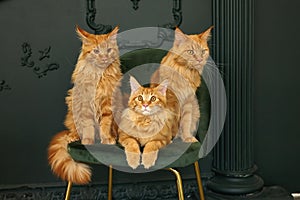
183,66
96,79
147,122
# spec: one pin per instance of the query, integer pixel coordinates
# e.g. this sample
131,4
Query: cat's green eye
204,51
153,98
140,98
191,52
96,51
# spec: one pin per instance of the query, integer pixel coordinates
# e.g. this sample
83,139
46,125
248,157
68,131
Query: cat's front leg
187,123
132,150
88,132
88,135
150,153
106,134
195,115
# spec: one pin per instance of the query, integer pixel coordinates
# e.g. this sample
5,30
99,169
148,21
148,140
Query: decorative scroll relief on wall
135,4
90,19
162,35
4,86
43,65
177,15
101,28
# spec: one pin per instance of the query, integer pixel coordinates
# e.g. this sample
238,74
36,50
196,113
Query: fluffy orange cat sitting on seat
183,66
96,81
148,123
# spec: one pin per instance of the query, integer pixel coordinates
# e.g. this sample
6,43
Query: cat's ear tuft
134,84
163,86
180,37
206,34
113,34
82,33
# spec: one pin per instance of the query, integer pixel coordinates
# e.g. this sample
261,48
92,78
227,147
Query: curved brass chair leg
68,190
199,182
178,183
110,173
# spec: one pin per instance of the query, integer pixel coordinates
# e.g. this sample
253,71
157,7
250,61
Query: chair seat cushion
176,154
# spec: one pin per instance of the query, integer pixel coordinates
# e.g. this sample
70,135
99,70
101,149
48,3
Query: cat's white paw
88,136
133,159
108,140
189,139
87,141
149,159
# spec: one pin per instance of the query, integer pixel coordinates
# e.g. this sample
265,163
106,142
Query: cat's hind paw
149,159
189,139
133,159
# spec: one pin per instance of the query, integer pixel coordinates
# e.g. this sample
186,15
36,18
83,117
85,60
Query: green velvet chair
114,156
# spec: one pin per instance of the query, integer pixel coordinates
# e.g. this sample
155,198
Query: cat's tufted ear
163,86
180,37
206,34
113,34
82,34
134,84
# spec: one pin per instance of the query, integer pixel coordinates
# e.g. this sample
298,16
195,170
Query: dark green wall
277,92
33,109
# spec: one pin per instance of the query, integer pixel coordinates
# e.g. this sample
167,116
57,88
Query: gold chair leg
68,190
110,173
178,183
199,182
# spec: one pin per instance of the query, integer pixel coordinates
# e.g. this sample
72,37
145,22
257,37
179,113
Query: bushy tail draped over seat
62,163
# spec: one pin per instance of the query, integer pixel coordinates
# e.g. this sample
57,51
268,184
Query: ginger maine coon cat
183,66
90,102
148,123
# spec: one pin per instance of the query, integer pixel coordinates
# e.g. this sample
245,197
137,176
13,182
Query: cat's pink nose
145,105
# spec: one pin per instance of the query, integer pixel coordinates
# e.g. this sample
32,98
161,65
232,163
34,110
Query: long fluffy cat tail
62,163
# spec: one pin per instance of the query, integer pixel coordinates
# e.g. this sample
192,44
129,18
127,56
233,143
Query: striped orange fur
93,106
146,123
62,163
183,66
